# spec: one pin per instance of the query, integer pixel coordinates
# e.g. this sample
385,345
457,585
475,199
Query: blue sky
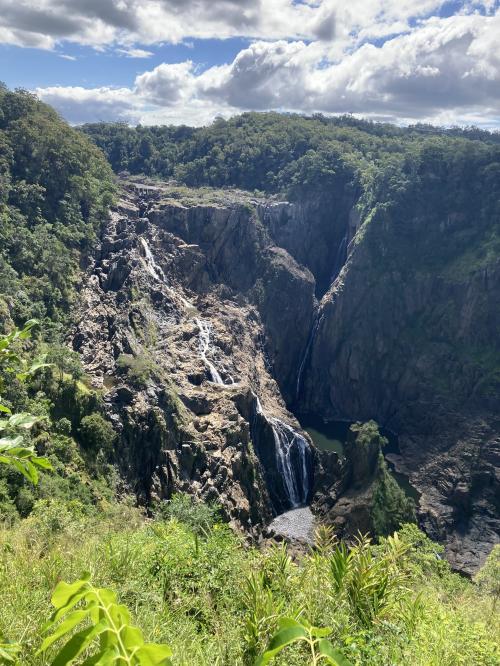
187,61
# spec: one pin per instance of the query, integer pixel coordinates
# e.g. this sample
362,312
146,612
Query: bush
97,434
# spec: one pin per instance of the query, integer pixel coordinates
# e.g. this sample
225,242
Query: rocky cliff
409,335
205,314
187,315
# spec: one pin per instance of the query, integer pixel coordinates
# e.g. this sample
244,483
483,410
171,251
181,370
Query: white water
157,273
305,356
286,440
339,258
151,266
288,443
204,347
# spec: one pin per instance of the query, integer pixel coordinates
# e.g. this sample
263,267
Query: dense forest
272,152
172,582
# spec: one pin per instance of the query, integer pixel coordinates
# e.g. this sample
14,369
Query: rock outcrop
408,334
188,314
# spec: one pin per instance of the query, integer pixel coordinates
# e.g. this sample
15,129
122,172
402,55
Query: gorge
216,291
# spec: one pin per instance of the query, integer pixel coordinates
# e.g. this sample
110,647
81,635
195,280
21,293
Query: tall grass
218,601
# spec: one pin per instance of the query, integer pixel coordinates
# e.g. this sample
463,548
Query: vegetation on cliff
55,189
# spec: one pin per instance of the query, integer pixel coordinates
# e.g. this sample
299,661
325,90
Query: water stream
340,258
292,454
204,347
305,356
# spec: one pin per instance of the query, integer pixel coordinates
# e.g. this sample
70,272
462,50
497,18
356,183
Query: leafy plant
262,610
13,450
369,583
8,652
292,631
81,603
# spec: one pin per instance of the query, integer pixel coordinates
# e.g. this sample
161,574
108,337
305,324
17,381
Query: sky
189,61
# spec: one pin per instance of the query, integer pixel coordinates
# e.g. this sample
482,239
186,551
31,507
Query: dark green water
330,436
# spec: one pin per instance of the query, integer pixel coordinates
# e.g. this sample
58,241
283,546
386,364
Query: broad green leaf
10,442
320,632
65,627
5,409
23,420
332,655
131,637
77,644
41,462
153,654
280,640
64,592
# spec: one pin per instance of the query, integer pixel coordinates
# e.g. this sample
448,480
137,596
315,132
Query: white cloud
167,84
135,53
132,22
81,105
445,70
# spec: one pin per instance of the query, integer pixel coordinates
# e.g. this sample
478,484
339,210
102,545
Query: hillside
267,314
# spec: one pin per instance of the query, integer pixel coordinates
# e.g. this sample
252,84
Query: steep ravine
207,313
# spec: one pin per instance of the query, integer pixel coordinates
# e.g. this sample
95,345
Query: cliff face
200,319
187,315
409,335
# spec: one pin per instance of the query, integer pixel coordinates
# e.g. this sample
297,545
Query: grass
220,601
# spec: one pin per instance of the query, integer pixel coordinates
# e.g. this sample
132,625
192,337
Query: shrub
97,434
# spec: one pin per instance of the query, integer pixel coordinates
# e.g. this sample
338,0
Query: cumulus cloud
85,105
132,22
439,69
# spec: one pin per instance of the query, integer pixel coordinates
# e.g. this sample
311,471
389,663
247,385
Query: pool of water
326,436
331,435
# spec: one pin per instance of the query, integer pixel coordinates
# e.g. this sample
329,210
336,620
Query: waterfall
305,356
151,266
291,454
204,347
295,477
340,258
157,273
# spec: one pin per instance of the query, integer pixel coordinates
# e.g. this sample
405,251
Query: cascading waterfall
340,257
151,266
296,480
305,356
157,273
292,451
204,347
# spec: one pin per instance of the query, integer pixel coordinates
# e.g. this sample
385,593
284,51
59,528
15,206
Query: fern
103,636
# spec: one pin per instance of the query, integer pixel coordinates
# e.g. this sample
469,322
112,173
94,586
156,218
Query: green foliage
371,585
137,368
292,631
223,604
104,620
391,508
55,189
488,577
97,434
13,450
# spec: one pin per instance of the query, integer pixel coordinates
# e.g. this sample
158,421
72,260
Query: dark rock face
178,326
415,346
